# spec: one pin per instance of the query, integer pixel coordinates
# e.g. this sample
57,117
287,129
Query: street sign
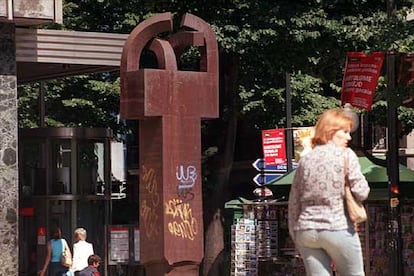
264,178
260,165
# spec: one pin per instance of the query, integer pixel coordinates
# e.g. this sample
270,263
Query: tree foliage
259,43
82,101
308,39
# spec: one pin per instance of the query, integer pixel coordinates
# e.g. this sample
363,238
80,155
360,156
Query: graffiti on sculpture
187,177
149,206
182,222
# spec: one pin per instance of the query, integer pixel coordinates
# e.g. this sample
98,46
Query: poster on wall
119,244
361,78
302,141
274,150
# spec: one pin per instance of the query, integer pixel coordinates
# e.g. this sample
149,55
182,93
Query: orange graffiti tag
148,210
183,223
150,183
150,220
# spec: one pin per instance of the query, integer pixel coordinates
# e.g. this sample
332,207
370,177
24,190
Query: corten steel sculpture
169,105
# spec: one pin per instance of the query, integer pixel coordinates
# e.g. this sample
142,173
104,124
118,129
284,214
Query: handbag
66,258
356,210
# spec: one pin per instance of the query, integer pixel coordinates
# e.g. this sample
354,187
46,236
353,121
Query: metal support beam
394,224
394,220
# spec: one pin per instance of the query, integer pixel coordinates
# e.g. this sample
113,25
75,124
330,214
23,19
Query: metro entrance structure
48,190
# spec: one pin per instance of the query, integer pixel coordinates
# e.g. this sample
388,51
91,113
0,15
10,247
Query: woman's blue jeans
319,248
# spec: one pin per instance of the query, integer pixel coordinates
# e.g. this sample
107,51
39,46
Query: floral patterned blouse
316,199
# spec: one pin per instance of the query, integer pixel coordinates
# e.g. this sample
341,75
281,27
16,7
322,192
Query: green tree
82,101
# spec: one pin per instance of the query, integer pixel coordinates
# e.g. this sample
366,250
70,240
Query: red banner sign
361,78
273,141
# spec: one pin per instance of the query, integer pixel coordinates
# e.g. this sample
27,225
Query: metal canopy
48,54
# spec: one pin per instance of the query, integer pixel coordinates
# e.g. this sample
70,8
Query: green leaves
87,101
308,39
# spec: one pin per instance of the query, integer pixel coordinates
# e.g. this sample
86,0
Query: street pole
42,105
394,225
289,134
394,221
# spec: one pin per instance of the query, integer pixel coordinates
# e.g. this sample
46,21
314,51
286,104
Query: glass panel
27,246
91,167
61,183
59,213
3,8
32,168
118,180
379,137
91,216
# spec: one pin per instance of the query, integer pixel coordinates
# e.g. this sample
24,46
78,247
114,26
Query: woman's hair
328,123
80,234
56,233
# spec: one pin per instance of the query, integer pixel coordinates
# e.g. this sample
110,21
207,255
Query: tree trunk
226,129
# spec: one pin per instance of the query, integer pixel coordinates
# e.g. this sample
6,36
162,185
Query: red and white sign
273,141
361,78
41,235
119,244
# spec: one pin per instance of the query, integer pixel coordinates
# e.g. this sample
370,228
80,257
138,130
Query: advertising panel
361,78
302,141
274,150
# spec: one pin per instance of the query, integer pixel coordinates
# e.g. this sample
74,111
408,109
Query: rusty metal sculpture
169,105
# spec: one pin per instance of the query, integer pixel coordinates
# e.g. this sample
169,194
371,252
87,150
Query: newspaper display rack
260,243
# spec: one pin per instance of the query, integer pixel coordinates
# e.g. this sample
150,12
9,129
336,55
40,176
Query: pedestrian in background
54,250
81,250
318,223
92,269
